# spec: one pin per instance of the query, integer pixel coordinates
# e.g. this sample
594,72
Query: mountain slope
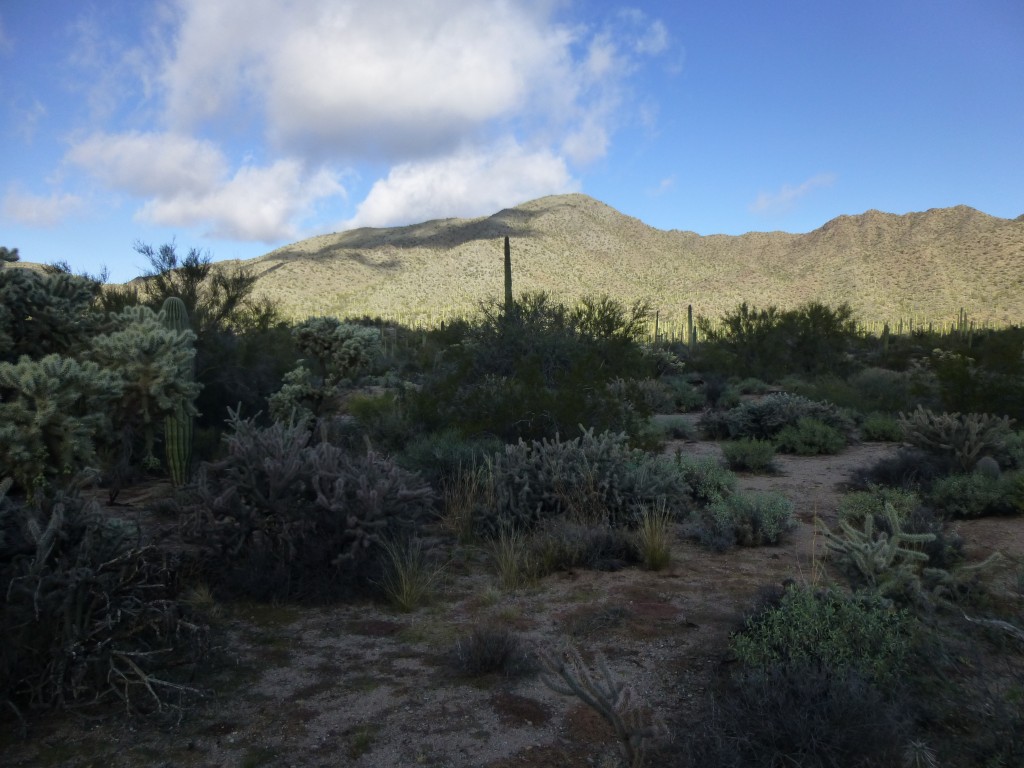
923,266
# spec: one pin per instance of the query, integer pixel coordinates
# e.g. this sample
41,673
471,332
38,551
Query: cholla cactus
962,437
334,352
154,366
50,411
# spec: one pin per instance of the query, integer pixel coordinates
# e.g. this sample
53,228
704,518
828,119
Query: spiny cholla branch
636,726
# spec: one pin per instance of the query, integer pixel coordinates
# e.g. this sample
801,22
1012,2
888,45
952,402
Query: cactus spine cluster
178,428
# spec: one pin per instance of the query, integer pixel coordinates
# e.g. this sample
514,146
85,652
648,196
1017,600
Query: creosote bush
763,419
749,455
746,519
810,437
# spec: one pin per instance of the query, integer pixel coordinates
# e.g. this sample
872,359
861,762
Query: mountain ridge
923,266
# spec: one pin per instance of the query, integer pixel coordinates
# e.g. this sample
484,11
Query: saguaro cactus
179,427
508,277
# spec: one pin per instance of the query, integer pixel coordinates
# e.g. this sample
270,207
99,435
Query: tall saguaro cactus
508,277
178,428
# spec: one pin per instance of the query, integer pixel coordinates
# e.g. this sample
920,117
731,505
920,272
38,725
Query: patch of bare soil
362,685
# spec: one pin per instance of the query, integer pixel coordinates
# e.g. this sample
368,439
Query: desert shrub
883,390
857,505
285,516
910,469
963,438
89,615
979,495
440,456
763,419
538,369
595,477
683,395
489,650
563,544
862,633
672,427
707,479
513,558
811,340
809,437
879,427
747,519
749,455
807,715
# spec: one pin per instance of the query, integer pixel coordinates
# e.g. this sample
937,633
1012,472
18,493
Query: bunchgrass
512,559
411,578
654,538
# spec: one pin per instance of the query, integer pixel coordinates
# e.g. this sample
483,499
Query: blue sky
237,126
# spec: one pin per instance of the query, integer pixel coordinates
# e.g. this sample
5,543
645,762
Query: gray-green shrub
749,455
746,519
810,437
763,419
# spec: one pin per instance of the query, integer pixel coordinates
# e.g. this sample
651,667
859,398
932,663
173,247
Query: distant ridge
921,266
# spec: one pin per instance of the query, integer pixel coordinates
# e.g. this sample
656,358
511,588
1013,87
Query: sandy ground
365,686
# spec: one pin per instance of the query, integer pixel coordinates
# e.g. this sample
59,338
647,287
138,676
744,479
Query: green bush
672,427
882,428
284,517
855,506
763,419
440,456
748,455
979,495
862,633
810,437
707,479
747,519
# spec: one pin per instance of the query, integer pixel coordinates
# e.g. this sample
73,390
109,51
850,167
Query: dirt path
364,686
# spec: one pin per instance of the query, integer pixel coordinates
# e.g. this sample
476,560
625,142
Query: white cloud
6,44
264,204
188,183
786,198
151,163
467,183
39,211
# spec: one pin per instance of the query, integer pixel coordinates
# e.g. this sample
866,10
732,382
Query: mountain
920,266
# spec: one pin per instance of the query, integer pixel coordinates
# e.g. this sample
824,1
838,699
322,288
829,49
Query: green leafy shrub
879,427
979,495
763,419
884,390
283,516
747,519
672,427
810,437
910,469
855,506
749,455
89,616
537,369
829,629
440,456
707,479
595,477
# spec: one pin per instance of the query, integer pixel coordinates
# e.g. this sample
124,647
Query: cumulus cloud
470,106
784,200
188,183
40,211
151,163
467,183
